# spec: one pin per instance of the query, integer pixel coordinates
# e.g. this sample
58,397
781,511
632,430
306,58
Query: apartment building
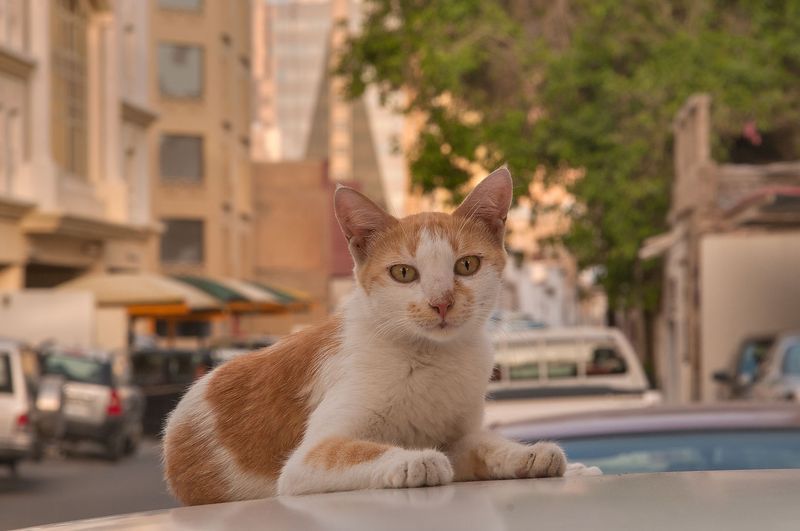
75,117
202,83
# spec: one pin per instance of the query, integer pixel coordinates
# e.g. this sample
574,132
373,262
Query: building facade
200,78
74,153
298,243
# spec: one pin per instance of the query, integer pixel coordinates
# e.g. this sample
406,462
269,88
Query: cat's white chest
423,402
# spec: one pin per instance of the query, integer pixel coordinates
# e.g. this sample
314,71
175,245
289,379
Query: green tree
590,84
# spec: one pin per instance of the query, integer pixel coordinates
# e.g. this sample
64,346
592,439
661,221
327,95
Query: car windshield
78,369
6,384
753,354
791,362
680,452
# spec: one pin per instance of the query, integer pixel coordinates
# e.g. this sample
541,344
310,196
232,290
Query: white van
17,437
551,371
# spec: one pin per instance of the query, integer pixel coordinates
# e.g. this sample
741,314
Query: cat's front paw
542,460
420,468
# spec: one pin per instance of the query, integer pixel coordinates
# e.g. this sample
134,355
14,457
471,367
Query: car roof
557,333
729,500
792,336
658,419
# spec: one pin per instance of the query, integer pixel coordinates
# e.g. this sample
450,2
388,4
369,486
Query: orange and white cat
388,393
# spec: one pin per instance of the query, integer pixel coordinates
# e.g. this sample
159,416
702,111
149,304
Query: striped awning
236,296
296,300
144,294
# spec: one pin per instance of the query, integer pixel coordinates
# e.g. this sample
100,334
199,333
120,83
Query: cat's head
432,275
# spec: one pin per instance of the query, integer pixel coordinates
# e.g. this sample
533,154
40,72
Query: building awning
295,299
144,294
658,245
236,296
265,299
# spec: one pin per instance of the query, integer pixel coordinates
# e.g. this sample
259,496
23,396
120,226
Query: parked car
17,436
163,376
779,375
745,365
729,501
725,436
100,405
560,370
226,349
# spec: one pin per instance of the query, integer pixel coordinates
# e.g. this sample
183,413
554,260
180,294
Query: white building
74,117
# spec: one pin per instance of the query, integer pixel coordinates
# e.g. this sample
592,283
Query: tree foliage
590,84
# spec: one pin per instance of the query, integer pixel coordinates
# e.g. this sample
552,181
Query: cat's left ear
360,219
489,201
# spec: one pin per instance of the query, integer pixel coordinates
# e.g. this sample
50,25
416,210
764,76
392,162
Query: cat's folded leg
486,455
342,463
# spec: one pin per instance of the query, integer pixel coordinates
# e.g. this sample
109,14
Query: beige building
201,190
75,115
294,236
730,257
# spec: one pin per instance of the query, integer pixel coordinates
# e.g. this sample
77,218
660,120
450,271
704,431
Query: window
605,360
180,70
181,5
181,158
754,352
6,383
182,241
562,369
77,369
791,362
69,118
526,371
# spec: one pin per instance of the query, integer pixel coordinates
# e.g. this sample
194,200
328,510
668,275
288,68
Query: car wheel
115,447
131,445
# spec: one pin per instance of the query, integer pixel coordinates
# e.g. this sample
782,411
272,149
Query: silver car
99,404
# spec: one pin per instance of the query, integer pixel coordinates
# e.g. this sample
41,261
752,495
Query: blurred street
83,486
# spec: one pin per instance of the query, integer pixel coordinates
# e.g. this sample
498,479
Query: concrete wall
750,284
35,316
292,235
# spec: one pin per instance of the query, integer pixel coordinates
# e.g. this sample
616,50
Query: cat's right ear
360,219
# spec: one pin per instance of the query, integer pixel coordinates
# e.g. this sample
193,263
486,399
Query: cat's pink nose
442,307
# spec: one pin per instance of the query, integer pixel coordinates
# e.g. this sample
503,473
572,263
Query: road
84,486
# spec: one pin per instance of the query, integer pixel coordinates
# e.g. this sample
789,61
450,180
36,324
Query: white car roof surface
730,501
559,333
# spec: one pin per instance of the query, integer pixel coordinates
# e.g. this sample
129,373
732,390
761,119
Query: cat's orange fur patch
193,478
259,400
341,452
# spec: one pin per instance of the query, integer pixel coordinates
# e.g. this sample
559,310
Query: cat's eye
467,265
403,273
